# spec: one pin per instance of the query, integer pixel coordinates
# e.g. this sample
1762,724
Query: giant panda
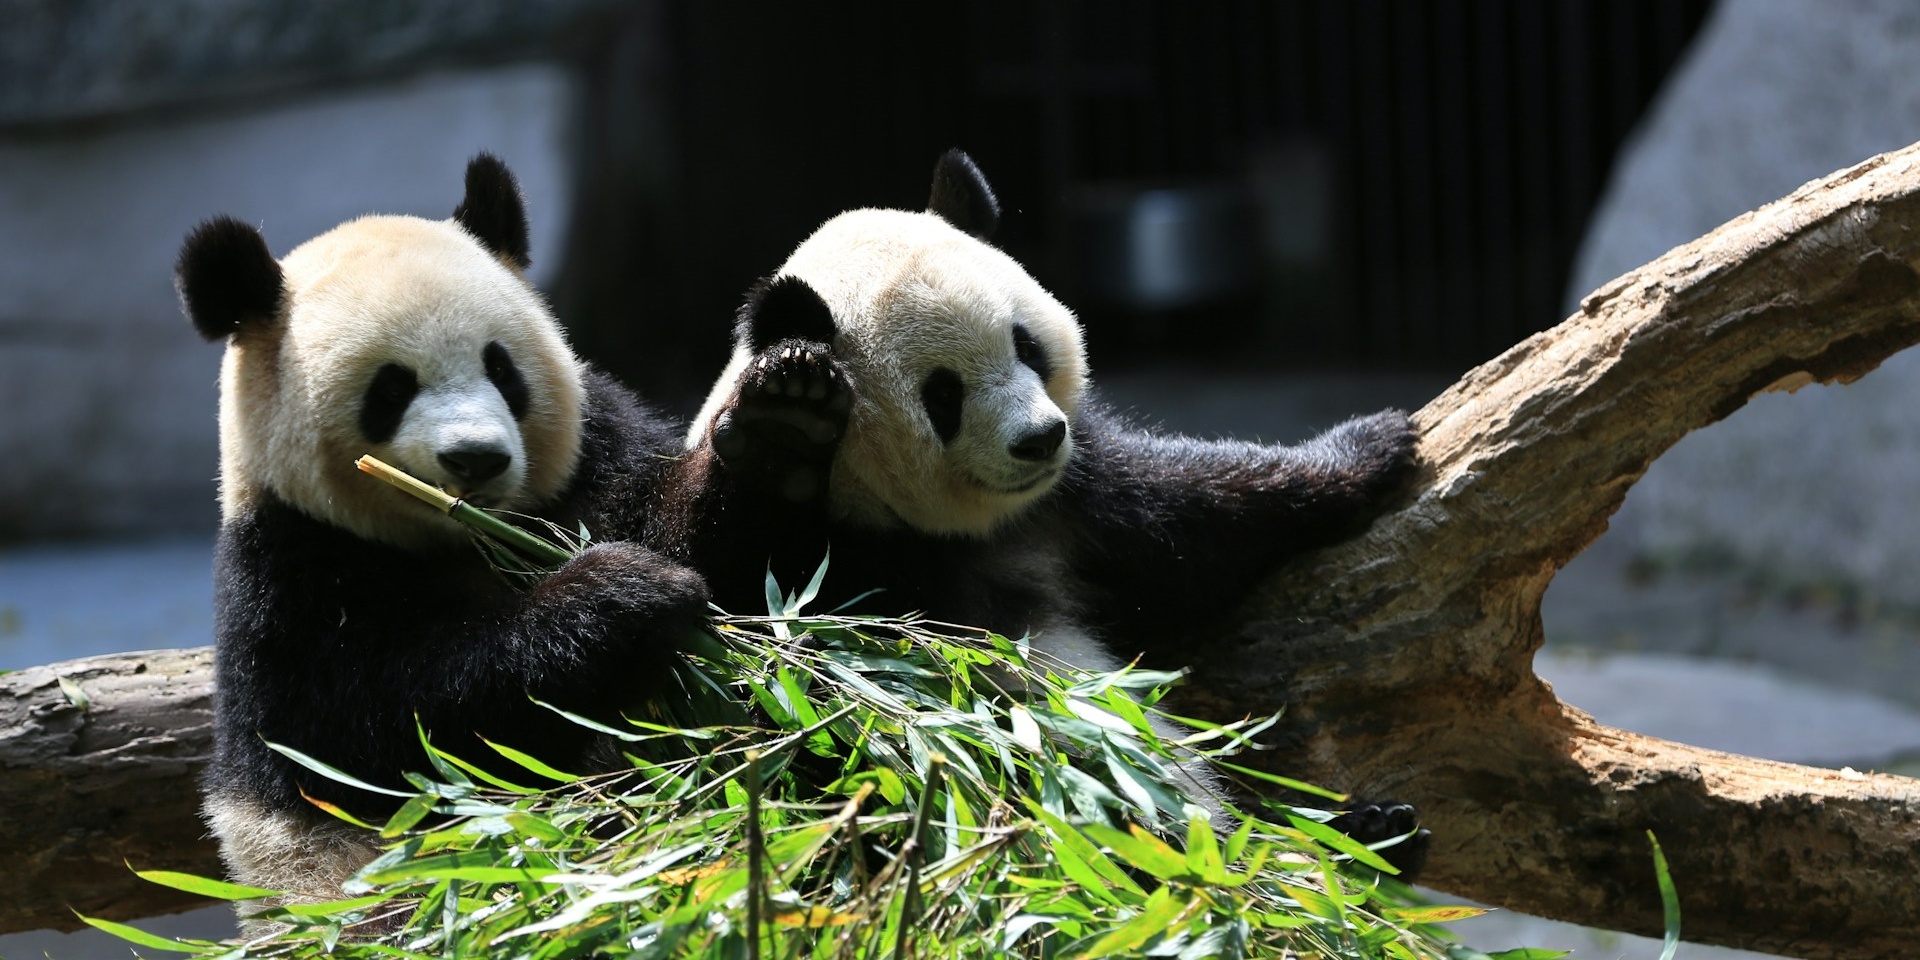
345,609
906,394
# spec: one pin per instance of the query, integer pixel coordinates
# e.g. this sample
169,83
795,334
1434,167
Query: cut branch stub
1405,657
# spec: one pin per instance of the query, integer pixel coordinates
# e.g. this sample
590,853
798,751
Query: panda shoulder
619,424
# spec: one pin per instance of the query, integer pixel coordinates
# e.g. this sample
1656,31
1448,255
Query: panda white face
967,373
452,420
405,339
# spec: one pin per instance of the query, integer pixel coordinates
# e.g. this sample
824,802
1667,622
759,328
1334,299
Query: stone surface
106,395
79,59
1812,490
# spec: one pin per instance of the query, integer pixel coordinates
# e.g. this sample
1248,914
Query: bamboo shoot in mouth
527,544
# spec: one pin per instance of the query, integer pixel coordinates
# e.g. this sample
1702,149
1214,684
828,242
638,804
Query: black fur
779,435
1370,821
386,401
943,396
506,378
227,278
1159,527
333,645
492,210
1030,352
962,197
782,308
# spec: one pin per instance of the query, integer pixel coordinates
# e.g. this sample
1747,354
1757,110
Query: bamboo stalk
528,545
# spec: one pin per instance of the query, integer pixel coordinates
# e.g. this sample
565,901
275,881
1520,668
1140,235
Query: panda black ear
782,308
961,195
227,278
493,212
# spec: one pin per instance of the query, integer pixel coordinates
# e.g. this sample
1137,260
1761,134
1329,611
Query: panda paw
1379,452
642,590
1372,822
787,419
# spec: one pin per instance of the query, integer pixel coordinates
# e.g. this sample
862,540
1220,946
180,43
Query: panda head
967,373
417,341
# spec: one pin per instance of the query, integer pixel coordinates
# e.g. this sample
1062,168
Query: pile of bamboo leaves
839,787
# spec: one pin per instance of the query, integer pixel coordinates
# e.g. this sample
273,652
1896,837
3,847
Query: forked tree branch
1404,657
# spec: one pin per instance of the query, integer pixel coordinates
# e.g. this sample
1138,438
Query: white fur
304,856
911,293
416,292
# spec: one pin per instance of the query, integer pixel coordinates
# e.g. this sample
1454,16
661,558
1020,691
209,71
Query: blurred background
1270,215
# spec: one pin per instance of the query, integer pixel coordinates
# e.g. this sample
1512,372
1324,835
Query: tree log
99,760
1403,657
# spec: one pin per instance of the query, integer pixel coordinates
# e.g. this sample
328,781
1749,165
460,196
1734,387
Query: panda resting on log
907,394
346,609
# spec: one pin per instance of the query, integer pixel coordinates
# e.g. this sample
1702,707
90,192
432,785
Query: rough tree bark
1404,657
98,759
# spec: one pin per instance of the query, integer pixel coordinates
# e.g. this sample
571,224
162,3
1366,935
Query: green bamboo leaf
409,814
1154,919
1341,843
456,865
201,886
76,696
885,782
448,772
483,776
1089,796
1291,784
1203,851
813,586
1127,779
1068,838
332,773
1141,849
1669,900
530,762
1025,731
776,601
329,908
538,827
141,937
1237,843
1435,913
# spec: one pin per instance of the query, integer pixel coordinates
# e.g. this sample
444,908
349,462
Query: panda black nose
1040,444
471,465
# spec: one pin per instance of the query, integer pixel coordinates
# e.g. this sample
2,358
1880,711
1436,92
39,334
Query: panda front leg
1165,525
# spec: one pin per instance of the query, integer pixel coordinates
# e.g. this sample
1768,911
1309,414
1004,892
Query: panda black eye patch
942,395
1028,351
393,388
506,378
